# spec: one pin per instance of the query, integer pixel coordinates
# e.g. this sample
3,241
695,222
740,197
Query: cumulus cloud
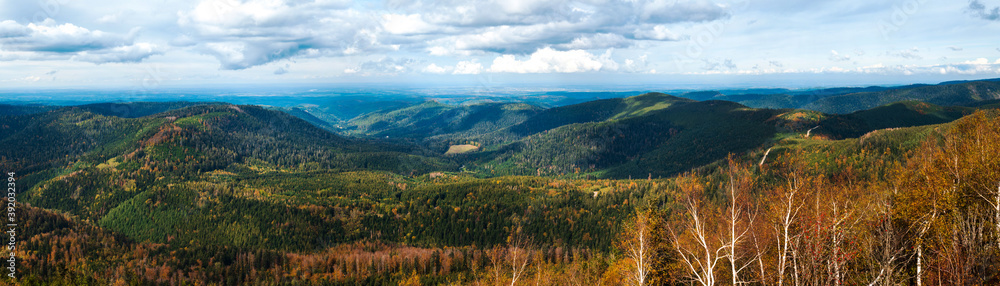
11,29
485,13
637,65
523,26
243,34
980,10
658,32
435,69
955,49
514,39
124,54
248,33
50,37
406,24
548,60
48,40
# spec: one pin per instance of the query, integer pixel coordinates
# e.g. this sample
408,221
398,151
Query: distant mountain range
847,100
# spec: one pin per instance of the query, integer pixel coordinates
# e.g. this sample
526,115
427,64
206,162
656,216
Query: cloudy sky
68,43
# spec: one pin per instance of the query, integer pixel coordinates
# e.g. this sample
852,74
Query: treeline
63,251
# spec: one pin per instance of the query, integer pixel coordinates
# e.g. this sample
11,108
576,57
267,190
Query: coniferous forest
652,189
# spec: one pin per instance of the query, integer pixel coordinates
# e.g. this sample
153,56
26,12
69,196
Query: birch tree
739,221
693,237
638,248
788,207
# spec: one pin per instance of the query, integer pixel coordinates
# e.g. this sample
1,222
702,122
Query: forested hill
202,138
661,135
431,118
662,139
242,194
847,100
962,93
596,111
652,134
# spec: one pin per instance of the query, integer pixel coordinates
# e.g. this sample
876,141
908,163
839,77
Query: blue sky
110,43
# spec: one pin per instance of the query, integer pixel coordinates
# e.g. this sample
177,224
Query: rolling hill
845,100
242,194
657,138
947,94
436,120
662,135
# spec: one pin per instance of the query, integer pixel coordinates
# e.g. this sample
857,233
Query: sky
158,43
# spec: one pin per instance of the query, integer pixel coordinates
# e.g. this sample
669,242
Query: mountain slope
656,141
609,138
962,93
431,118
595,111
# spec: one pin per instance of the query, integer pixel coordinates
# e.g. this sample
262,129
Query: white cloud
837,57
438,51
514,39
243,34
638,65
521,27
48,40
979,61
468,67
548,60
658,32
47,36
435,69
11,29
406,24
131,54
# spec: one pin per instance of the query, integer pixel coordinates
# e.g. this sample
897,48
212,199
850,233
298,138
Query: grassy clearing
461,149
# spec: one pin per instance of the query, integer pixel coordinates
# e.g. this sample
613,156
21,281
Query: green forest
651,189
